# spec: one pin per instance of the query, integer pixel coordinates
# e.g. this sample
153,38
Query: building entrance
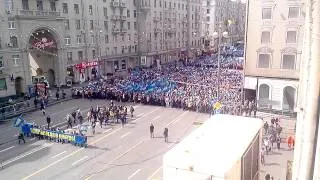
43,56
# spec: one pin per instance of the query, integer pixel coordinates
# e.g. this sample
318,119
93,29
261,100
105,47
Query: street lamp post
219,35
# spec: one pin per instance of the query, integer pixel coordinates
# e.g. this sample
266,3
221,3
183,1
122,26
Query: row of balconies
119,30
34,13
118,4
116,18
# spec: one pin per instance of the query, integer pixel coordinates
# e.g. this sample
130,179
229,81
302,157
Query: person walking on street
48,121
93,125
152,130
69,121
21,138
290,142
278,142
131,111
165,134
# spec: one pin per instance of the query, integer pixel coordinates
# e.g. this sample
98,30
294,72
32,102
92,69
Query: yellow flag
217,105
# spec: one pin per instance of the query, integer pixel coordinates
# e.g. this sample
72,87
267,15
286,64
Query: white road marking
78,161
141,114
58,154
69,155
16,135
32,139
106,131
126,134
130,149
133,174
158,117
7,149
26,154
146,114
154,173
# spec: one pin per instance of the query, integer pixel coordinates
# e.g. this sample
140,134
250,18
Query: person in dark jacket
48,121
165,134
21,138
152,130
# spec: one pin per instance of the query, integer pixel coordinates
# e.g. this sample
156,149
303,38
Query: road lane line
133,174
7,149
145,114
106,131
154,173
141,114
126,134
32,139
69,155
158,117
78,161
58,154
25,154
16,135
130,149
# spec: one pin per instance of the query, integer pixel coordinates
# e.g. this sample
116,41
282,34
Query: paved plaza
113,152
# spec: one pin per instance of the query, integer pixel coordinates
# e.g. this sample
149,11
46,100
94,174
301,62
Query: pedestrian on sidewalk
290,142
262,158
152,130
69,121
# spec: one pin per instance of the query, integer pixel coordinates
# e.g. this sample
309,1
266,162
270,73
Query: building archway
288,102
264,95
51,77
18,83
43,54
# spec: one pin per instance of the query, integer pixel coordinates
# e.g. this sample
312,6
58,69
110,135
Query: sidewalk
276,163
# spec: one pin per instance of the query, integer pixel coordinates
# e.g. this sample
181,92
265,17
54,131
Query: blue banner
18,122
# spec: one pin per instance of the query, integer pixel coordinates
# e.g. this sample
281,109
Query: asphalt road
114,153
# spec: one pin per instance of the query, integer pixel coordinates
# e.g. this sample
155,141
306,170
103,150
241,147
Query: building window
106,39
78,24
135,25
67,24
91,24
128,13
134,13
264,61
92,39
266,13
264,92
291,37
69,56
79,39
288,61
90,10
53,6
105,12
1,61
15,59
105,23
80,55
11,24
265,37
3,84
67,40
116,65
25,4
14,41
293,12
93,54
39,5
65,8
123,64
76,8
129,37
128,25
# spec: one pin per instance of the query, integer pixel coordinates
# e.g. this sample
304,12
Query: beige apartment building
274,42
219,13
71,39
